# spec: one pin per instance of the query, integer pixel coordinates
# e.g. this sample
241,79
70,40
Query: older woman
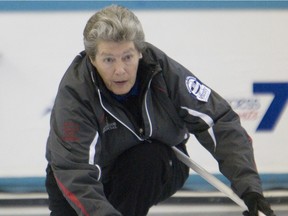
120,107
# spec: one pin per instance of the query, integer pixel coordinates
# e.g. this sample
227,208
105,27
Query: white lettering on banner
197,89
247,108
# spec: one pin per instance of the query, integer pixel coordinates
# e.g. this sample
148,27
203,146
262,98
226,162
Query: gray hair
113,23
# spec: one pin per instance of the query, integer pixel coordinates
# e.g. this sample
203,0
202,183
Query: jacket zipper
146,109
99,93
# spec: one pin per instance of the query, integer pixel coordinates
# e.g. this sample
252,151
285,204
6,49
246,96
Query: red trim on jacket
71,197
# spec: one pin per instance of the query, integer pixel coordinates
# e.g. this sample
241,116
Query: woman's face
117,64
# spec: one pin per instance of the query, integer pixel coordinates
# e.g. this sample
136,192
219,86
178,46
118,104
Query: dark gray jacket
89,128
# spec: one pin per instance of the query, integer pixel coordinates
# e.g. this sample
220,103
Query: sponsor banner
241,54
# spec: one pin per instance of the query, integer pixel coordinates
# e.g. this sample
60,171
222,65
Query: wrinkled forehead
111,48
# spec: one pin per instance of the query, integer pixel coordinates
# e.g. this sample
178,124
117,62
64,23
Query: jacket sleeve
213,122
73,146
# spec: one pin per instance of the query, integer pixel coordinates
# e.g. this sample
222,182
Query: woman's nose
119,67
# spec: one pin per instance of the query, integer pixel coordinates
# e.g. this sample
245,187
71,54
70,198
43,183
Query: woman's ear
140,55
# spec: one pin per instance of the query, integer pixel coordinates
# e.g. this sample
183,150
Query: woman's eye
127,57
108,60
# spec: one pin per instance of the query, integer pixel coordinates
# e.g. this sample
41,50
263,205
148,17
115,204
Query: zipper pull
141,131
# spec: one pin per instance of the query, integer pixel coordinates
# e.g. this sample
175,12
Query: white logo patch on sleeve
197,89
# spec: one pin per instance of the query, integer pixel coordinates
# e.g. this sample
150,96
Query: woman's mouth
120,82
